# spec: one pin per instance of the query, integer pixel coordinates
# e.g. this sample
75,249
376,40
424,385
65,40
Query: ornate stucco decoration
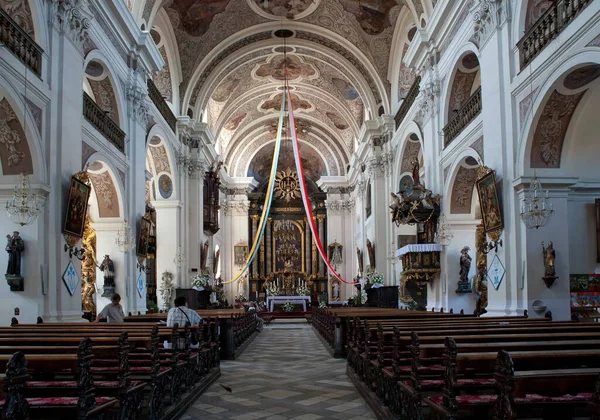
428,105
236,208
74,19
139,108
340,206
487,16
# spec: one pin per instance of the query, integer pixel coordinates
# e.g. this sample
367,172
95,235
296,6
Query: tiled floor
285,373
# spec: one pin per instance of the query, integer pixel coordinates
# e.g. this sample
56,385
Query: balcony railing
552,23
103,123
20,44
161,105
463,117
412,94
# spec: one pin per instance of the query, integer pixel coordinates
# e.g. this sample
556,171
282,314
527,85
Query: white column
63,151
167,227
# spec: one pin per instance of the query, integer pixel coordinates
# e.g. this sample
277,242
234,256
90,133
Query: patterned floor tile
285,373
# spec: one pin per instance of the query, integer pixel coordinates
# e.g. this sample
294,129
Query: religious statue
371,251
88,288
480,283
14,246
464,285
335,290
359,256
88,269
204,255
166,290
549,269
242,286
416,168
108,268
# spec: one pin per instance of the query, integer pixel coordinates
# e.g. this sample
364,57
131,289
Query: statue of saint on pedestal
108,268
464,285
14,246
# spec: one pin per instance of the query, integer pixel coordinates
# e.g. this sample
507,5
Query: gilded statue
481,289
88,268
549,257
359,257
204,255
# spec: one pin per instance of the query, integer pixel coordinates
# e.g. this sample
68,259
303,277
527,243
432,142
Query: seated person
253,308
113,311
180,315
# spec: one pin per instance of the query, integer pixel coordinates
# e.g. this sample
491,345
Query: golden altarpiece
287,255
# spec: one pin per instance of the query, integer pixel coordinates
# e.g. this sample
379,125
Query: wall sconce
73,251
491,246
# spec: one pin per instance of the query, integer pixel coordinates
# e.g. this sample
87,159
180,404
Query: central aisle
285,373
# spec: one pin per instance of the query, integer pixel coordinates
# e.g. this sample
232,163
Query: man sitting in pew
180,315
113,311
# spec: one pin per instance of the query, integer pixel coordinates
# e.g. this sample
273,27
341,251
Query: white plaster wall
30,301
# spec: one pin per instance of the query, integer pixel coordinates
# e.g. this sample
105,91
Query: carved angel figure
166,289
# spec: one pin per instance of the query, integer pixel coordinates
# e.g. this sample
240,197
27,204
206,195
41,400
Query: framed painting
240,253
143,238
489,203
77,204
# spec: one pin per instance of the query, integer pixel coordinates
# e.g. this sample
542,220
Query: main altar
287,256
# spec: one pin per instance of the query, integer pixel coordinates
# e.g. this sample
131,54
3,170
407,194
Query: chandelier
124,239
287,252
284,230
536,210
24,206
189,165
179,259
443,235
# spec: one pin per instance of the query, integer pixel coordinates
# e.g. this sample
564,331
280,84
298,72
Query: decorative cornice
74,19
236,208
488,15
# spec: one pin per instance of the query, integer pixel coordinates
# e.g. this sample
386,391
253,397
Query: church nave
285,373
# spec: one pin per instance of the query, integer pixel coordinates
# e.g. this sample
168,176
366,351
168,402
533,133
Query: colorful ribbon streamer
268,198
304,193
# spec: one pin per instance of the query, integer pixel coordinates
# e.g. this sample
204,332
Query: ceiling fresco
336,58
313,164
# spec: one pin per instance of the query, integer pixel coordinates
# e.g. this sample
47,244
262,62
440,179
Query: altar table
272,300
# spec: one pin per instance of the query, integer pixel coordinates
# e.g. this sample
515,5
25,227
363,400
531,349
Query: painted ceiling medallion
284,9
276,66
287,186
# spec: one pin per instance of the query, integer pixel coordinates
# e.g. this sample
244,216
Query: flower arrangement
289,307
200,282
322,305
272,289
241,298
359,299
302,291
376,279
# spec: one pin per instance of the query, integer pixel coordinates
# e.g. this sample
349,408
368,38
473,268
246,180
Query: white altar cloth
418,248
272,300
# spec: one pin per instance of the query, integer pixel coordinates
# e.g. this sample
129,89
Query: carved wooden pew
450,404
86,405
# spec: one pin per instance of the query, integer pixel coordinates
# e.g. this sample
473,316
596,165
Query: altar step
284,315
